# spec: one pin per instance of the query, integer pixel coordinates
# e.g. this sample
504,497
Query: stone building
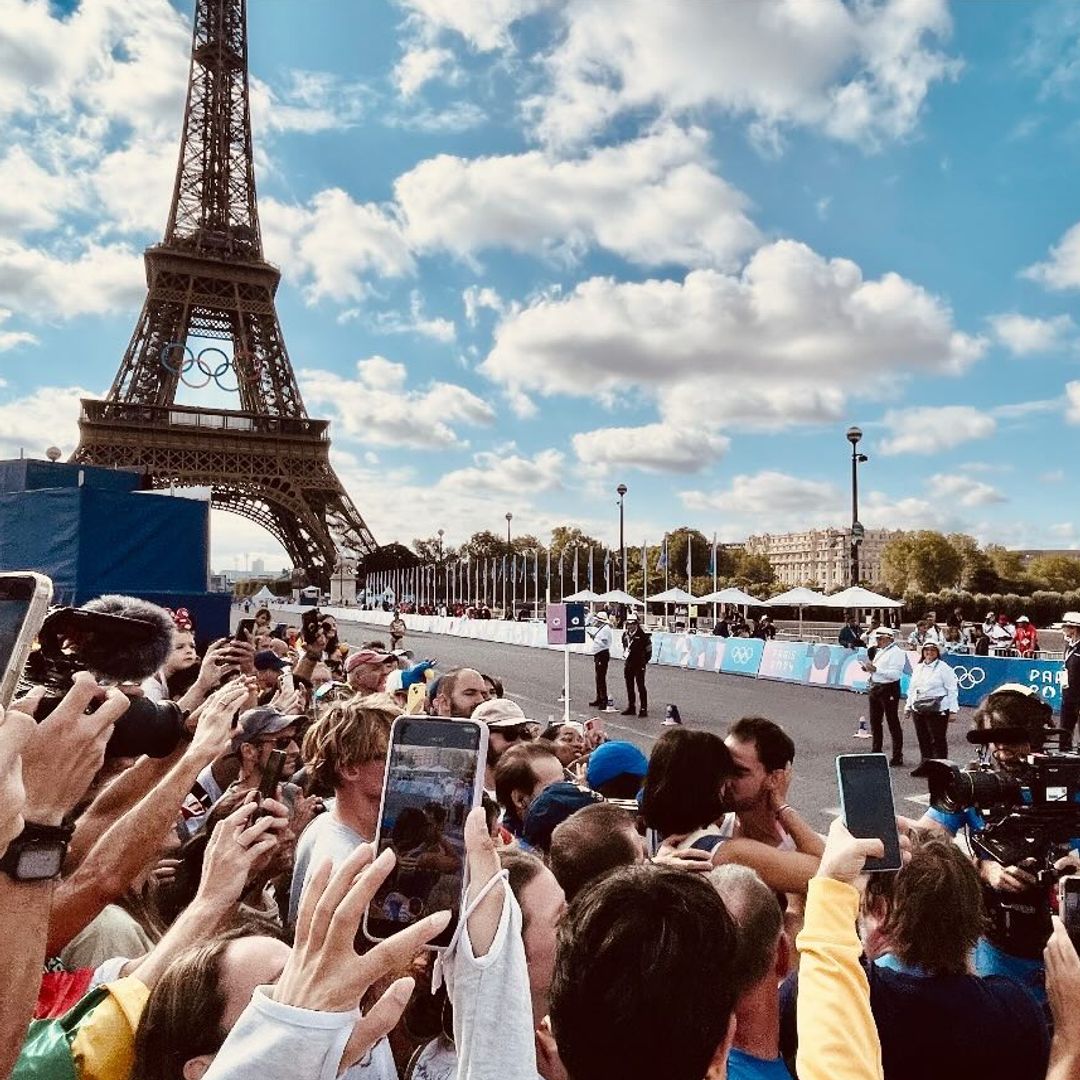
822,557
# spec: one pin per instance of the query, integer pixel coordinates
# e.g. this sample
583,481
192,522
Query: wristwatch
37,853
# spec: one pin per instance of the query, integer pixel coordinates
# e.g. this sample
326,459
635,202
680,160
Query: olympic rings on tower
190,360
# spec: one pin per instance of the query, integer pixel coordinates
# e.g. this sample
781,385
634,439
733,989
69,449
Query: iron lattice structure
208,279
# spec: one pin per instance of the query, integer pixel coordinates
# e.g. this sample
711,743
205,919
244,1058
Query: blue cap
613,759
551,808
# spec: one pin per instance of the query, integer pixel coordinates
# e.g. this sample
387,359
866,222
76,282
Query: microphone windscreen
136,650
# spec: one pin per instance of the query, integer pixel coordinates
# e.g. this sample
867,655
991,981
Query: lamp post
621,492
441,533
510,556
854,434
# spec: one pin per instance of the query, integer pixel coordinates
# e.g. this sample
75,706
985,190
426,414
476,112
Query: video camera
119,639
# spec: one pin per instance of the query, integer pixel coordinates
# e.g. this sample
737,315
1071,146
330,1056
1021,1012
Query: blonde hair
350,733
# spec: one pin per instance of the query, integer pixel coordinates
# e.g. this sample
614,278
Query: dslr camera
118,639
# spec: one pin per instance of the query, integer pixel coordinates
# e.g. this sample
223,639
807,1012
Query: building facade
822,557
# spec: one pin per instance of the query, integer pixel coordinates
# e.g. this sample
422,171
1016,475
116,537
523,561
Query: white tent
264,596
586,595
799,598
617,596
858,597
732,596
673,596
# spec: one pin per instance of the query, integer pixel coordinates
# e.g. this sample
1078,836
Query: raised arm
782,871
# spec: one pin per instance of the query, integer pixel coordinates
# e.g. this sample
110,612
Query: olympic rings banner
805,662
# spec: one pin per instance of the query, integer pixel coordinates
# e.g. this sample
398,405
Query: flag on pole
645,574
590,569
712,556
661,563
575,570
689,561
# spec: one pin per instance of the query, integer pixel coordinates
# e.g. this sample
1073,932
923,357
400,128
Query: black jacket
637,648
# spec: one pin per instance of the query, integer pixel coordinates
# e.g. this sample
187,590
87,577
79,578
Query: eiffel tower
208,279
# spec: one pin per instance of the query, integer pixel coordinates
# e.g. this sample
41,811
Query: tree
920,560
483,545
678,541
1059,573
751,570
431,549
977,573
525,544
1008,566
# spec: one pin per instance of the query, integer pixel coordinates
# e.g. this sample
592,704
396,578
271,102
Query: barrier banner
741,656
977,676
788,661
837,666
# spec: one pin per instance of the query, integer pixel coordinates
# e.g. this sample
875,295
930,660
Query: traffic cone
671,716
610,707
862,732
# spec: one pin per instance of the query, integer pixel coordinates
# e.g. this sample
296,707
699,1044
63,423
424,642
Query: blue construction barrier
815,664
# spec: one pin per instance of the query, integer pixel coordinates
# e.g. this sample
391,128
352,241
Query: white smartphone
24,603
434,777
866,800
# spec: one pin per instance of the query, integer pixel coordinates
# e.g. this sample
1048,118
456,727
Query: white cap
1023,618
884,631
1071,618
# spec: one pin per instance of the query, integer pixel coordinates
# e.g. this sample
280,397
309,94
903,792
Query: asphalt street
821,721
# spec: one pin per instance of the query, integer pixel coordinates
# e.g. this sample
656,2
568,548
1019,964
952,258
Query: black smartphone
866,801
1069,906
24,603
309,623
434,777
245,630
271,776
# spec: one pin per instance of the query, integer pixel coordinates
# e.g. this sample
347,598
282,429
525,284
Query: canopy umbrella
586,595
263,596
858,597
673,596
799,598
732,596
618,596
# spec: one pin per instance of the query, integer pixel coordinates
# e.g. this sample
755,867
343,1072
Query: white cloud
377,408
419,65
452,117
858,72
31,198
307,102
1072,402
959,490
98,279
476,298
507,474
1061,270
1023,335
768,495
785,341
656,448
333,242
484,24
653,200
928,429
417,322
49,416
11,339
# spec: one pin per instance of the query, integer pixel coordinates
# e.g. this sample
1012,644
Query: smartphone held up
24,603
866,802
434,776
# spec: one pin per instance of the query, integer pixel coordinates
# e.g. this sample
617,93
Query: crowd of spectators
670,916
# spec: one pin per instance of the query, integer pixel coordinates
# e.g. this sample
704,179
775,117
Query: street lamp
621,492
854,434
509,518
440,534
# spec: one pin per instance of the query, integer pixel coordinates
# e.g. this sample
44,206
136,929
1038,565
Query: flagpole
714,577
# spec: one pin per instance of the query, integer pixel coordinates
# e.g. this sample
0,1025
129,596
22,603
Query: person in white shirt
600,633
932,698
885,671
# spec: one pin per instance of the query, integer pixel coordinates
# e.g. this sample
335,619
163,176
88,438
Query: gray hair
757,916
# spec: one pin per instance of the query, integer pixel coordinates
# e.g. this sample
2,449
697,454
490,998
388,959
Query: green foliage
1058,573
920,560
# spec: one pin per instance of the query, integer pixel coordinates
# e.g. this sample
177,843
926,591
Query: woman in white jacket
931,700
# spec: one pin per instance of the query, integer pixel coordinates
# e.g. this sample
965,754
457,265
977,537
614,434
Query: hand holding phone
271,776
434,777
24,603
866,802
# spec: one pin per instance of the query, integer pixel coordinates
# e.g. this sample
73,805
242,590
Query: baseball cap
551,808
601,616
613,759
268,660
1023,618
884,631
500,713
367,656
1071,618
258,722
631,617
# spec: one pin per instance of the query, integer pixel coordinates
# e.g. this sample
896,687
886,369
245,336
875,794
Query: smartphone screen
866,800
245,630
24,601
1069,902
434,777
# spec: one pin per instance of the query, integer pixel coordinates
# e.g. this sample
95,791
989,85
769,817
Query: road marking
921,800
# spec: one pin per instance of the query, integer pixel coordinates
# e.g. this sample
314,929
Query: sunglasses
523,732
281,742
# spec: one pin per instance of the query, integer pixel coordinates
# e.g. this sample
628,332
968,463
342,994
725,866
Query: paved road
820,721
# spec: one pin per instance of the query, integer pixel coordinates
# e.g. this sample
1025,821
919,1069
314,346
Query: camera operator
1015,717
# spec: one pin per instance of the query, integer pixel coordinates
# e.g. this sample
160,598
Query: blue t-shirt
744,1066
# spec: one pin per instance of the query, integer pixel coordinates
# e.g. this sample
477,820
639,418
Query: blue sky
531,250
